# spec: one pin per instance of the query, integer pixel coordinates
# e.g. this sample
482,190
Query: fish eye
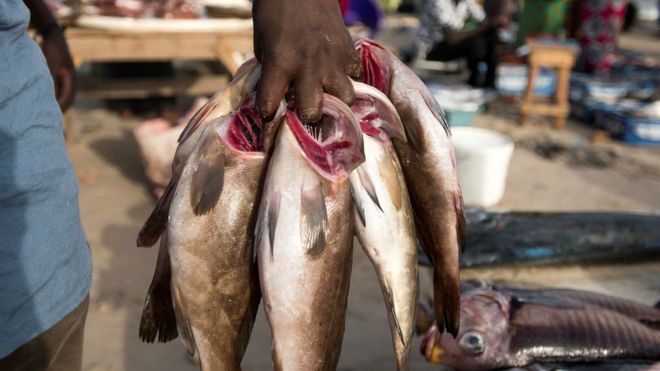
473,342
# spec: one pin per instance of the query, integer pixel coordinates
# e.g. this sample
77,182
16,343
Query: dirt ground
116,199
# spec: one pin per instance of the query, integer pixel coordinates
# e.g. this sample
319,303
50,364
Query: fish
429,167
214,278
304,237
513,328
157,319
383,215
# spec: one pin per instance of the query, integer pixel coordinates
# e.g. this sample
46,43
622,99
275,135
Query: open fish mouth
377,115
375,73
333,147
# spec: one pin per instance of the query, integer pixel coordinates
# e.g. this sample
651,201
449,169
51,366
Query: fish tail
446,300
158,317
389,303
157,221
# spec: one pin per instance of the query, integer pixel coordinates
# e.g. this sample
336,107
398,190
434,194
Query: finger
270,90
341,87
308,97
65,88
353,65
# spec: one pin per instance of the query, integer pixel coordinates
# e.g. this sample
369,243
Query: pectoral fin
207,180
313,219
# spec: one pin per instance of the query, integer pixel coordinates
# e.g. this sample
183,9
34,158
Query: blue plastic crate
586,110
636,130
512,80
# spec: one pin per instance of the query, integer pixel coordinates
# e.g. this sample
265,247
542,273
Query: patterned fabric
542,17
600,21
440,16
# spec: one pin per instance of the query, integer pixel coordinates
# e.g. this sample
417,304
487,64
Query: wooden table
98,45
561,58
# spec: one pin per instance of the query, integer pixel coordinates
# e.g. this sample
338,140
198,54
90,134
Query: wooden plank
545,109
150,87
108,46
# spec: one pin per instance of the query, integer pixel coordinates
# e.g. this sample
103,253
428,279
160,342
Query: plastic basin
482,158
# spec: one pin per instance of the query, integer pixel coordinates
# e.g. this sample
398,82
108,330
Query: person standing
45,262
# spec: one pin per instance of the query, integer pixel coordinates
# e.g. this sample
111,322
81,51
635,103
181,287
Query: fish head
333,146
484,334
244,131
377,116
375,64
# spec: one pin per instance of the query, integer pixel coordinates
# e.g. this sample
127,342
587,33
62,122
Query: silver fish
304,237
383,215
509,328
429,166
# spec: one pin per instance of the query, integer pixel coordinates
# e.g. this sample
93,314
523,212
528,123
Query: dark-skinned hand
60,65
305,50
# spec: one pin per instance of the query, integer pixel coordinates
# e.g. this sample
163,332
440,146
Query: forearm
41,17
458,36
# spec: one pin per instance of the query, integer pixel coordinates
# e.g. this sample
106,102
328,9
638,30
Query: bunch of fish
270,209
513,327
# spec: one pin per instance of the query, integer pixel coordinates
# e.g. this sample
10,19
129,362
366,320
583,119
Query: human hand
305,49
60,65
498,21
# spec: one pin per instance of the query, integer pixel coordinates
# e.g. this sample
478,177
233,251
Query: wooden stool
561,58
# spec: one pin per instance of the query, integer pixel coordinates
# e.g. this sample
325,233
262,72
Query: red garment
343,4
600,21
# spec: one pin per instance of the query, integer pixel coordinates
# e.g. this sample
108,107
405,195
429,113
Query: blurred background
561,115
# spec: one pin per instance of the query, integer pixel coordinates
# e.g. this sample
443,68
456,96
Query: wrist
50,29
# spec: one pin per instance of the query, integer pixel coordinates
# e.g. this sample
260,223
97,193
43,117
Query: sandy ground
115,201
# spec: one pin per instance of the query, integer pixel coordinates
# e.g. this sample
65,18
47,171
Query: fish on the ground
511,327
384,222
209,238
304,237
429,166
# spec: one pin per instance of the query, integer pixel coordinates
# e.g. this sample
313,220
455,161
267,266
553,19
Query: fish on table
429,166
511,327
304,237
383,215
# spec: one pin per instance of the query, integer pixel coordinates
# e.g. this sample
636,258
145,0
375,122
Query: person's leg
57,349
476,52
491,59
464,49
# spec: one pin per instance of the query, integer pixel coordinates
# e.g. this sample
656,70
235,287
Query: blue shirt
45,263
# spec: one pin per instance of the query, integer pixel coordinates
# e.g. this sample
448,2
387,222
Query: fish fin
158,316
446,300
313,219
389,303
248,320
433,105
185,330
359,208
155,225
273,213
520,297
461,226
391,175
207,180
368,186
197,120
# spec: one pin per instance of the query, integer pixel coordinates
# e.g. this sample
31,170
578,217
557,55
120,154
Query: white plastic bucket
483,158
